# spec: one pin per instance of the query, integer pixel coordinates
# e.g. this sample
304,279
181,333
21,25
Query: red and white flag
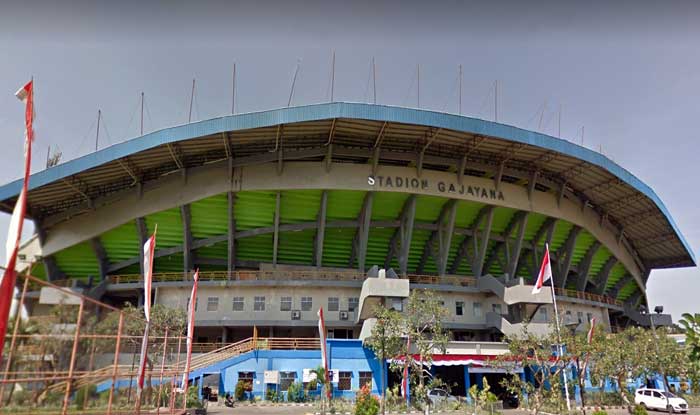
545,272
590,331
190,329
14,234
148,250
322,339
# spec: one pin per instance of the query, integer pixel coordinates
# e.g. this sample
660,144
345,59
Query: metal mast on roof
142,114
97,136
294,81
233,91
495,101
460,89
332,75
374,80
559,127
189,118
418,83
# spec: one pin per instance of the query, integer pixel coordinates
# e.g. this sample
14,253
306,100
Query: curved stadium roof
407,137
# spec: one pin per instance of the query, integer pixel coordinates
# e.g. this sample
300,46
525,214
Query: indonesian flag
405,384
190,328
148,249
322,338
590,331
545,272
7,281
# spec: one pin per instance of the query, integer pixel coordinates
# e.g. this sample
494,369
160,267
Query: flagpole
561,353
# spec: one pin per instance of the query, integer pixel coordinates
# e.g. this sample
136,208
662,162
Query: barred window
286,379
459,308
247,377
238,303
344,381
353,303
212,303
306,303
286,304
366,379
259,304
333,304
579,316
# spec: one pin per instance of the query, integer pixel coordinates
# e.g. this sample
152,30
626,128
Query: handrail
326,275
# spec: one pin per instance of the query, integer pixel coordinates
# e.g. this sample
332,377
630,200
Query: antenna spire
294,81
418,83
142,98
460,89
233,91
332,75
495,100
97,136
374,80
189,118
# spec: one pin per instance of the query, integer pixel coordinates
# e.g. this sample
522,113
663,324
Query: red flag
322,338
14,234
148,250
190,329
545,271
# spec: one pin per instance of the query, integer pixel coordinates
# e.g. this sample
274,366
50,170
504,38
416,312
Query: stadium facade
285,211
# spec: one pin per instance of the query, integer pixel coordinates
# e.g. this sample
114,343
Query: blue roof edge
316,112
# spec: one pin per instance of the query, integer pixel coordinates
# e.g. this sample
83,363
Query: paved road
260,410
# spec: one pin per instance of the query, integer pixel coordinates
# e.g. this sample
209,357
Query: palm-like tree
691,327
320,373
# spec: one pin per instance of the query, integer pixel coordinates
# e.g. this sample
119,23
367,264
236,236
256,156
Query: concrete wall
344,355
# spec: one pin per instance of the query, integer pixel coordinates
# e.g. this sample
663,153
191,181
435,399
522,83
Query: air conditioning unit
296,315
344,315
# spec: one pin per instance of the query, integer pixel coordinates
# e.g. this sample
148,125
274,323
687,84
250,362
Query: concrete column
480,380
224,333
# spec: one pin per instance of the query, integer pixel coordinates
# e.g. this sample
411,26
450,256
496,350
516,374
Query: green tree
624,355
690,325
386,341
534,353
582,354
320,373
423,321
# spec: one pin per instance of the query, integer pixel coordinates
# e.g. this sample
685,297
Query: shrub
241,388
366,403
639,410
271,395
599,412
85,395
295,392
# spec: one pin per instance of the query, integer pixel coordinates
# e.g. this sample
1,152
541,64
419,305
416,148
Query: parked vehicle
660,399
438,396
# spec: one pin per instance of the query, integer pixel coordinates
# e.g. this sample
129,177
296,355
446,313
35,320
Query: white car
660,399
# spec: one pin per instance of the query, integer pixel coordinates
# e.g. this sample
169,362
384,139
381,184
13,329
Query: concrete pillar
224,333
480,380
199,387
467,383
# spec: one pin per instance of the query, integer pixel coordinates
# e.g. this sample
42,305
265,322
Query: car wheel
643,405
669,408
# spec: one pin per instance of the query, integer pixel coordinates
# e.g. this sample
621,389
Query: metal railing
324,275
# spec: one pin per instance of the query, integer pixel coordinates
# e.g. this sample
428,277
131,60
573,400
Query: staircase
514,294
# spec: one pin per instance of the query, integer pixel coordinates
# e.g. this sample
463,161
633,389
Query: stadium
285,211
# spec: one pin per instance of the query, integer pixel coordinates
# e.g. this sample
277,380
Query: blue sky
628,72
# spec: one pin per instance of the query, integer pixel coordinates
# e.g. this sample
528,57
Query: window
286,304
344,381
657,394
543,313
286,379
397,304
306,303
247,377
477,309
238,304
366,379
333,304
496,308
589,316
459,308
196,303
259,304
647,393
353,303
579,315
212,303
